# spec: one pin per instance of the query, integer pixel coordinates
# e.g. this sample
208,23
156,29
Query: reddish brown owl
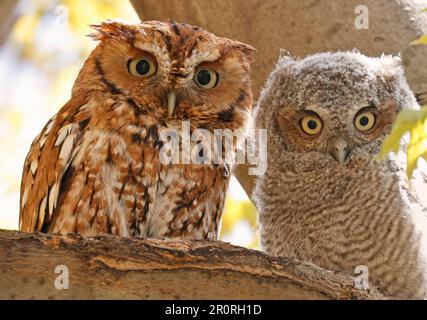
95,167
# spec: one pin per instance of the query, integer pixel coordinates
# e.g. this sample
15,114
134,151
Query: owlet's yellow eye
142,67
206,78
364,121
311,124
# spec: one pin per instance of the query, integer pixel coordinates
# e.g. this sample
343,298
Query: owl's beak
171,102
340,149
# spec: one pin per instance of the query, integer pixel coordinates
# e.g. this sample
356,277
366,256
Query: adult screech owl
95,167
325,198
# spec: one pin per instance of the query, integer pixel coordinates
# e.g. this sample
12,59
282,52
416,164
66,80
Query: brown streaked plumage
325,198
95,167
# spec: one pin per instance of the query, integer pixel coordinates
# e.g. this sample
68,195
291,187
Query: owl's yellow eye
311,124
142,67
206,78
364,121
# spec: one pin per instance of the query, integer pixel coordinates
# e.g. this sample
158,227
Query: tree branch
123,268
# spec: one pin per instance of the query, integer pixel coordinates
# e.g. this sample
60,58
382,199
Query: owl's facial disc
173,71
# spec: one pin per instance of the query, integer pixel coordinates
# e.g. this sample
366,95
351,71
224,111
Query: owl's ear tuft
112,29
247,50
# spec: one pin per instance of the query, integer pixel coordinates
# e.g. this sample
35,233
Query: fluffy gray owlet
325,198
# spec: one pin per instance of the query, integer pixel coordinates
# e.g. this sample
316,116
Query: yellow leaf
235,211
422,40
414,122
405,121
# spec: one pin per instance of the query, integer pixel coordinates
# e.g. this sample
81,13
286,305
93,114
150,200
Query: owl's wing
47,166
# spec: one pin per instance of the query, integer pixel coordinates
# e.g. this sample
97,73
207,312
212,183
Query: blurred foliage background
40,58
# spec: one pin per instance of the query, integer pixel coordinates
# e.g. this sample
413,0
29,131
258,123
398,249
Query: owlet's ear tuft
112,29
390,68
285,60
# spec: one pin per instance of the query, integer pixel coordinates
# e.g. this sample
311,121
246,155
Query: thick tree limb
119,268
304,27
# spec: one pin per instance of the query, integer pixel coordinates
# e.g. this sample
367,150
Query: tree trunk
304,27
123,268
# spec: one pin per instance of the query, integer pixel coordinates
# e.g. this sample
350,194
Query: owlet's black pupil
312,124
204,77
143,67
364,121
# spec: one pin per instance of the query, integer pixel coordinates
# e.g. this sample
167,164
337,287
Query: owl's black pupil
312,124
142,67
204,77
364,121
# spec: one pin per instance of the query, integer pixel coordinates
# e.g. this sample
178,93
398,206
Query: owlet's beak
171,102
340,149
